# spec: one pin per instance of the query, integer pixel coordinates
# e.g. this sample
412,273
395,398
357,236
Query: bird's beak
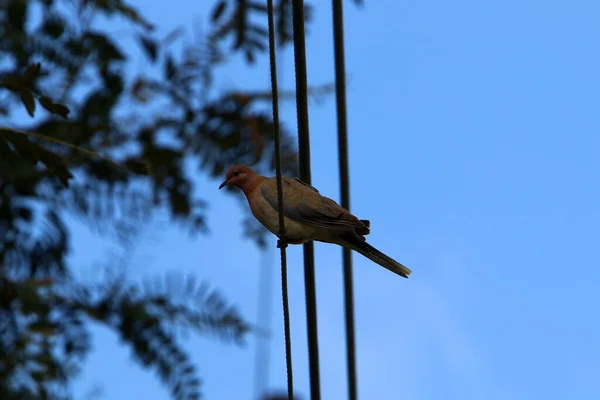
223,185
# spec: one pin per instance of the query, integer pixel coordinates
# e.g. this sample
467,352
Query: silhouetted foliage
244,22
145,127
129,139
44,338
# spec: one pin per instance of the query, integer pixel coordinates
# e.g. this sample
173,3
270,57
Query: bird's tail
359,245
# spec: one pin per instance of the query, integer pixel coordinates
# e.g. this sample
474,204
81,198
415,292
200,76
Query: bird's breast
269,217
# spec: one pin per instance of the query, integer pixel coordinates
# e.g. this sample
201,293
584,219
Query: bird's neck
252,184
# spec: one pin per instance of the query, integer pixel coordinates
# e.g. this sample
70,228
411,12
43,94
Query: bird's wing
302,202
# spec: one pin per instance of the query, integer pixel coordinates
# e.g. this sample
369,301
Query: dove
307,215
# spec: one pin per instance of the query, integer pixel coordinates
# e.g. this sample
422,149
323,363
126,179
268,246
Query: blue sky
474,149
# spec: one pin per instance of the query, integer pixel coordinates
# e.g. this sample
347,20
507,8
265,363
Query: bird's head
238,175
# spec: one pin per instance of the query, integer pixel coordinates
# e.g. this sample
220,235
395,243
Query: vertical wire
340,92
305,175
282,244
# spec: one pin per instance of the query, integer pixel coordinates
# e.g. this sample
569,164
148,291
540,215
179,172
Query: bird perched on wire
307,215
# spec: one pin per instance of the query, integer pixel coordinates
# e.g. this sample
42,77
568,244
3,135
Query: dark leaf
16,12
260,31
28,101
76,47
104,46
13,82
150,47
31,73
60,110
170,69
249,56
172,36
54,108
54,27
133,15
218,10
257,44
45,101
24,213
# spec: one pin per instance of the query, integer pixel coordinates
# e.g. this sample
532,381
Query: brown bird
307,215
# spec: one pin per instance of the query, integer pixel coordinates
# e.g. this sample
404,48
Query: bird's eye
236,172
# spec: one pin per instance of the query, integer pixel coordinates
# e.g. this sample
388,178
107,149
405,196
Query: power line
304,149
340,92
282,243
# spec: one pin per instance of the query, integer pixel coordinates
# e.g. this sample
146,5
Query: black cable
282,243
340,94
304,148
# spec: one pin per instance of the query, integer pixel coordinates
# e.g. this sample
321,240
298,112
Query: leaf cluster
114,145
44,329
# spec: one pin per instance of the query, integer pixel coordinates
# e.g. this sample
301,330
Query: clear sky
474,149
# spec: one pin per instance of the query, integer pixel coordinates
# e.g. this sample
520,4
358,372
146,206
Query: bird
308,215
